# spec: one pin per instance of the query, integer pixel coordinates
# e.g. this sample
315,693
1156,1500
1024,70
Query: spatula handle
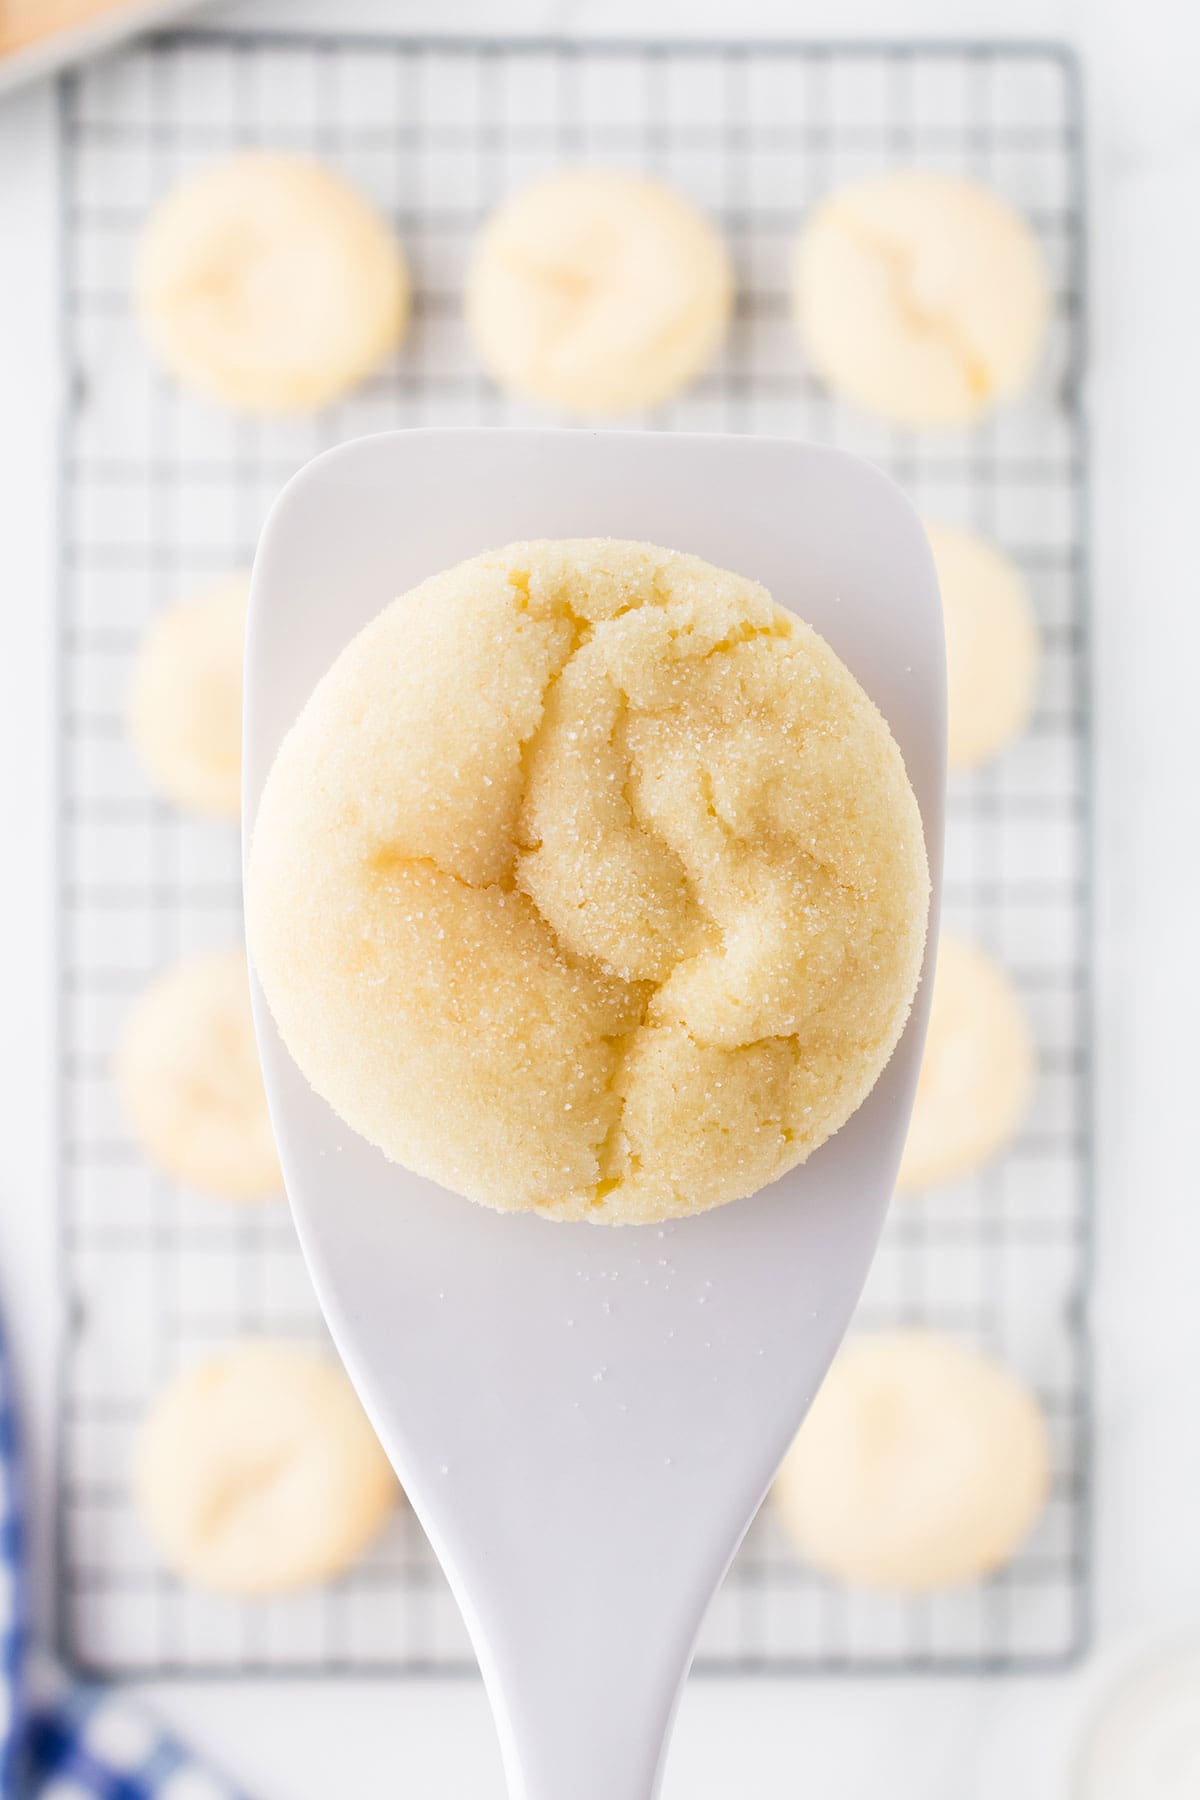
582,1726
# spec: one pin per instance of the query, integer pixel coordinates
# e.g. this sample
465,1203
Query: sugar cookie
976,1074
257,1471
598,292
922,1464
187,1076
589,881
921,297
991,644
270,284
185,699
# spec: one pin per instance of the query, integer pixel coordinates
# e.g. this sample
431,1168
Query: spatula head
586,1419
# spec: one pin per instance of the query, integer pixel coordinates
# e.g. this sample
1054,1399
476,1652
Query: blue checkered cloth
62,1739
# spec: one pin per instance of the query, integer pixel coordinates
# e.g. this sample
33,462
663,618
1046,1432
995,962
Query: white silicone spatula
585,1418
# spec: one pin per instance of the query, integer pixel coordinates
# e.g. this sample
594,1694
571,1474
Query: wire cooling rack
162,493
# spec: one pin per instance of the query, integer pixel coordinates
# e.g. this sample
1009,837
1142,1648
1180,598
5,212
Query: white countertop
928,1739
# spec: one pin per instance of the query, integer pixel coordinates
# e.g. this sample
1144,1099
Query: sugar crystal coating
589,882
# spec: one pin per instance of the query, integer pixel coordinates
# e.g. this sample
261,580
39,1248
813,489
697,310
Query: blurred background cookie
991,644
598,292
270,284
188,1079
977,1071
185,698
922,1465
257,1471
921,297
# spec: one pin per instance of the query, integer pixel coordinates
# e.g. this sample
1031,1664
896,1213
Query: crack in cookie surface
589,882
943,325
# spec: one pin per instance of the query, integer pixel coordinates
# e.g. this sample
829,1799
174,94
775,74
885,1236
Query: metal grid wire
161,493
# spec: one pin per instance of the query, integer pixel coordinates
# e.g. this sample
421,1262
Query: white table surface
928,1739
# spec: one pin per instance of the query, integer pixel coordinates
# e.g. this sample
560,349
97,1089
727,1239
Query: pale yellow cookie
922,297
589,881
257,1471
976,1074
185,699
991,644
270,283
188,1080
598,292
922,1465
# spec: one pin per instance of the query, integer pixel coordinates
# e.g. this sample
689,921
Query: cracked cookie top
589,882
597,291
922,297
